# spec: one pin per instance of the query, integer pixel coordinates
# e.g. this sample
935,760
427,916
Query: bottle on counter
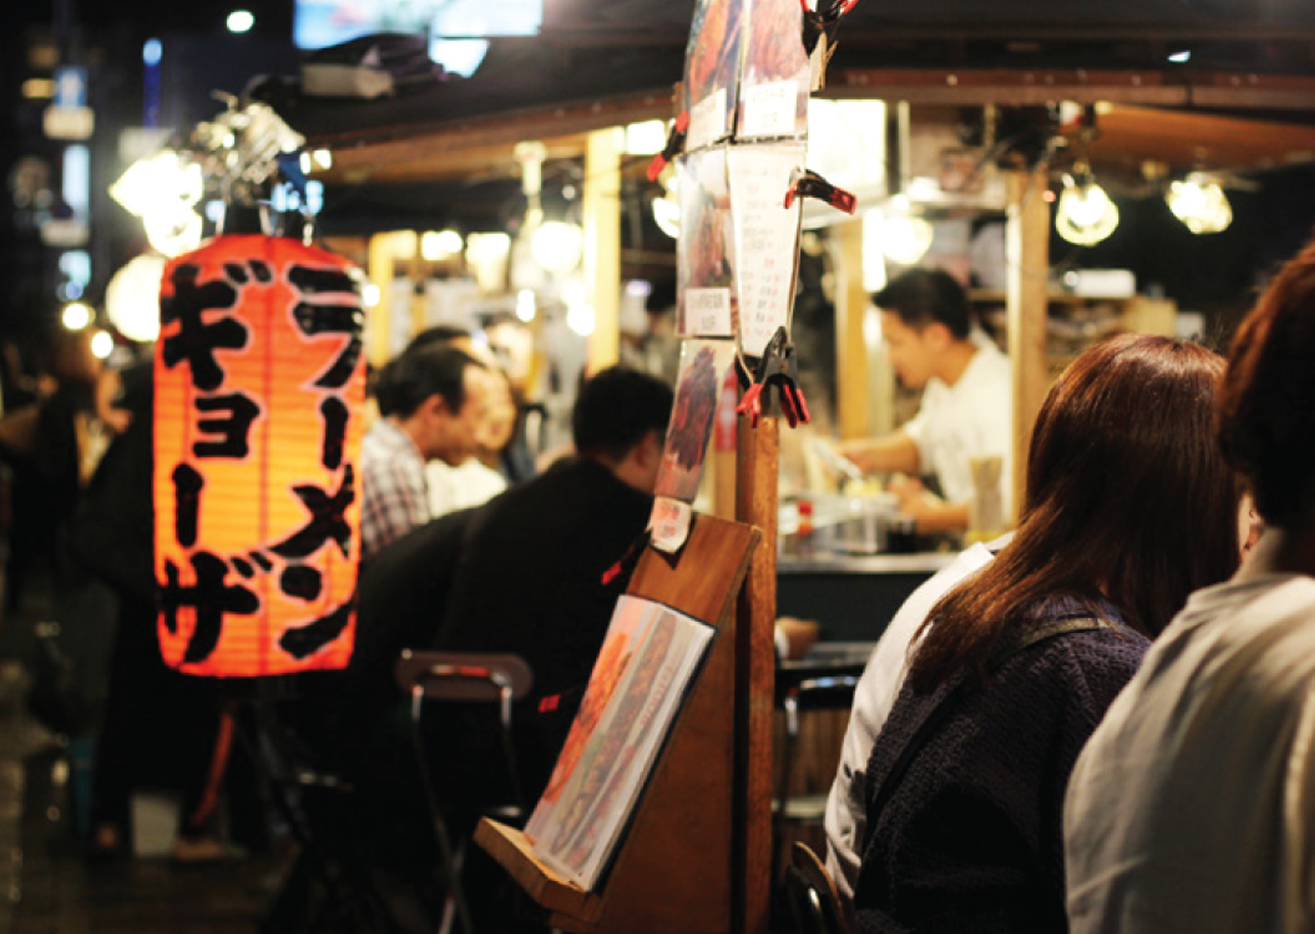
805,533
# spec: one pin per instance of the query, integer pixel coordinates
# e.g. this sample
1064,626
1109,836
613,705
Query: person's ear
937,336
436,406
649,450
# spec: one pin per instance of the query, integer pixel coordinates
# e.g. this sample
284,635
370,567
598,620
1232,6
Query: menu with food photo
712,70
649,658
775,82
703,365
705,251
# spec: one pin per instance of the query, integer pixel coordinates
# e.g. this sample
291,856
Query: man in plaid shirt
430,398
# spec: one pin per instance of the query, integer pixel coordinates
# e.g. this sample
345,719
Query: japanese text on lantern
258,379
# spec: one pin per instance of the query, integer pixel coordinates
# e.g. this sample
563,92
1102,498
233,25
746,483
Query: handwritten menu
766,238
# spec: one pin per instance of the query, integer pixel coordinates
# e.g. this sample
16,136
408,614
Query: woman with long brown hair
1129,507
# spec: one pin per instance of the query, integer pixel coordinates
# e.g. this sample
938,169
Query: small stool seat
463,678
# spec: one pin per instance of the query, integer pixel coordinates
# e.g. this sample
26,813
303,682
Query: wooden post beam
756,505
602,244
1027,254
853,370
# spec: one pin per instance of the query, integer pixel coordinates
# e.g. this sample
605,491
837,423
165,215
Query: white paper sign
708,312
770,109
766,238
669,524
707,120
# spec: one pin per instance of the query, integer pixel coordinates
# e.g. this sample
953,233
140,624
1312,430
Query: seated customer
530,578
1191,808
522,573
1129,507
431,401
846,805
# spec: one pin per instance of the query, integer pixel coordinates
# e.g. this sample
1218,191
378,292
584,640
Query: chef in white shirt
966,413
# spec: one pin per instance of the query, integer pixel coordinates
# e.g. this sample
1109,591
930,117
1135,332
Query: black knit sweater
970,838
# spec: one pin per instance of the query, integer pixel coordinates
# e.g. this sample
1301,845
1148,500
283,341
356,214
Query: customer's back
1128,508
1192,808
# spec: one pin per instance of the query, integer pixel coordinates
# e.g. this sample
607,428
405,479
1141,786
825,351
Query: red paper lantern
259,381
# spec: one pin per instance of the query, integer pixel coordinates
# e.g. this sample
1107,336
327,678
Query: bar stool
815,902
463,678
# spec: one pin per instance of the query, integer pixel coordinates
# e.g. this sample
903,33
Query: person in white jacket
845,818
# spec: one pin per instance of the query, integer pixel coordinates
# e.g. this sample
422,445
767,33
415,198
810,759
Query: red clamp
776,368
806,183
675,140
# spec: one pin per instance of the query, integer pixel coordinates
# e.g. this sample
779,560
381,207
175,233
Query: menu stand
674,870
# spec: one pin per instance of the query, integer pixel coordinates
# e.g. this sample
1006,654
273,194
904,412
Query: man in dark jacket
536,571
525,573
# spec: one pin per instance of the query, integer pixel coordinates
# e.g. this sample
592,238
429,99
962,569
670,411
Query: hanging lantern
259,382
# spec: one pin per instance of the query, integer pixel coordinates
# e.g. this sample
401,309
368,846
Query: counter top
922,563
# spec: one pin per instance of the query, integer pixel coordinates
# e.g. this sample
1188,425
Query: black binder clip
675,142
819,28
776,369
805,183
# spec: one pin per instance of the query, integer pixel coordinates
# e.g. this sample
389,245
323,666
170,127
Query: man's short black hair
438,334
616,408
420,372
924,296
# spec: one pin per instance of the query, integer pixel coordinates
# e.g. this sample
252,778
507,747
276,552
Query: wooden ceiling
1245,105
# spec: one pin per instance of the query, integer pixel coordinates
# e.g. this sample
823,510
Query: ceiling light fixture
904,236
1200,203
1085,214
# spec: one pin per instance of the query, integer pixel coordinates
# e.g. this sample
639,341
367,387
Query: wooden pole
853,370
602,244
419,276
378,323
1027,253
758,451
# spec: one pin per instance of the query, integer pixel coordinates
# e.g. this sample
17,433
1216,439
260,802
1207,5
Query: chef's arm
892,453
934,515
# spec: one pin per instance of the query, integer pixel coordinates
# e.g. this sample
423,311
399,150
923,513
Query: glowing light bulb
1085,214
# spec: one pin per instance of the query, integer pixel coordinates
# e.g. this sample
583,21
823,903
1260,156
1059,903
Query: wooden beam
1085,86
456,149
759,453
853,372
601,211
378,322
1027,255
1004,86
1201,140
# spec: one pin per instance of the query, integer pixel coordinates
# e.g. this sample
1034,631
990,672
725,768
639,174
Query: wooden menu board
673,872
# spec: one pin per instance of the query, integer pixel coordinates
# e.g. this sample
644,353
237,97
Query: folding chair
463,678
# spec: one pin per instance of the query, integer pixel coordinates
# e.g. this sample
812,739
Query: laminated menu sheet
703,366
643,673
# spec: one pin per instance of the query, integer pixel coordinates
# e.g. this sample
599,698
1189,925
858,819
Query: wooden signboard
674,870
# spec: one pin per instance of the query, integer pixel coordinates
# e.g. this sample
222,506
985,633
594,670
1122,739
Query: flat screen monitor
458,29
